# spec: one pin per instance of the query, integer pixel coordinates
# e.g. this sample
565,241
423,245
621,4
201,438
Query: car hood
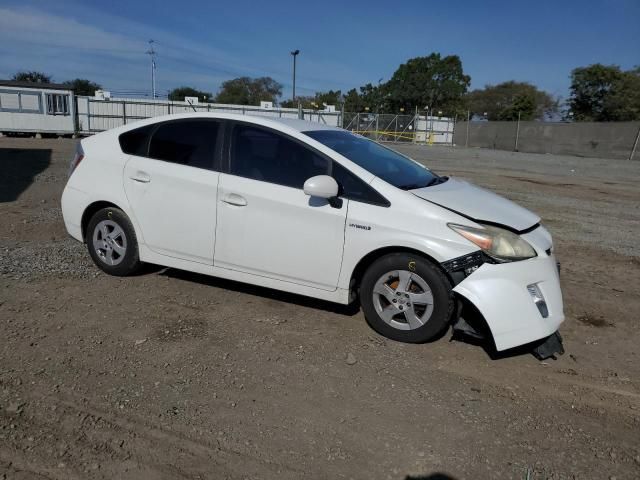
478,204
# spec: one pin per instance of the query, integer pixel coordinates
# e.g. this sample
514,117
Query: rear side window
353,188
271,157
186,142
136,141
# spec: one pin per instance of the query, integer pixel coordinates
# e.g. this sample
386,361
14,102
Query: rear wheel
406,298
112,242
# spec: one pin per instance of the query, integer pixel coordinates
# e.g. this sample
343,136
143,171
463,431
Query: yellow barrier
396,135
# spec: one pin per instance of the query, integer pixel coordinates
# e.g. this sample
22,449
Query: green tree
305,101
331,97
81,86
505,100
433,81
604,93
319,100
623,101
375,98
353,101
249,91
590,89
33,77
178,94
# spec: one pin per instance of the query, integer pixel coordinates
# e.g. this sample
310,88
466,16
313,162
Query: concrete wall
605,140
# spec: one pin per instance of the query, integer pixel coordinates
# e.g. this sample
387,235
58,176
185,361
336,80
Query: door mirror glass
321,186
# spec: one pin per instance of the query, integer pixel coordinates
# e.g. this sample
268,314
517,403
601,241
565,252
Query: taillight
77,158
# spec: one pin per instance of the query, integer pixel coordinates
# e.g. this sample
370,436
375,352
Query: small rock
141,341
351,359
14,408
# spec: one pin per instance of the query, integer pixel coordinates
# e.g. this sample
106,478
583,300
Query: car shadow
472,316
19,168
264,292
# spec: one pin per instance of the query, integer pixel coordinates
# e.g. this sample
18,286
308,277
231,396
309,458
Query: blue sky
343,44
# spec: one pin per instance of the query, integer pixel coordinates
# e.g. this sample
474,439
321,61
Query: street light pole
295,54
152,53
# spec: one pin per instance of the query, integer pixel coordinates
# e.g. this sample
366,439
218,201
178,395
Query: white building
36,107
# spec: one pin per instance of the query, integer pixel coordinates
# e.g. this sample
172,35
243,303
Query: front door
266,224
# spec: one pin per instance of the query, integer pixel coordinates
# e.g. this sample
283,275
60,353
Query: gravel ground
170,374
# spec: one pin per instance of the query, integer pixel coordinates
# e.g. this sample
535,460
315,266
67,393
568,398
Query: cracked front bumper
499,292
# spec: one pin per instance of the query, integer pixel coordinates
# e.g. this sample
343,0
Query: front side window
186,142
390,166
267,156
353,188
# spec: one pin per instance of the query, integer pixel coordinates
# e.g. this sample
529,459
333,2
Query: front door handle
235,199
141,177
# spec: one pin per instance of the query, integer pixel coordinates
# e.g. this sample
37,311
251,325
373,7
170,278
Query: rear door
171,182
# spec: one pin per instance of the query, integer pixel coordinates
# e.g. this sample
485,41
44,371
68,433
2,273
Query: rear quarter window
136,141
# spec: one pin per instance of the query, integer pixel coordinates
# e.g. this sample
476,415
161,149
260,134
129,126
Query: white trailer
36,108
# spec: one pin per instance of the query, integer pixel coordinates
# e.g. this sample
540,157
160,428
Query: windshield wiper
433,181
437,181
411,186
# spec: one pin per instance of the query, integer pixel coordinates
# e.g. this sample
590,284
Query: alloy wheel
403,299
109,242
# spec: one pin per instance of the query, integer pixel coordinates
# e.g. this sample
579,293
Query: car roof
302,125
295,124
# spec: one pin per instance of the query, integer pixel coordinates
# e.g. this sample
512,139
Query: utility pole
295,54
466,140
152,53
515,149
635,145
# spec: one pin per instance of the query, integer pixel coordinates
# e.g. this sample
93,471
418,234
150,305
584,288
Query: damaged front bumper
521,302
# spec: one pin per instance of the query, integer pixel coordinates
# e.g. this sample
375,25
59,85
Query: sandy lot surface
173,375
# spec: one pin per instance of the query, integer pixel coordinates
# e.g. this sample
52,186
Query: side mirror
321,186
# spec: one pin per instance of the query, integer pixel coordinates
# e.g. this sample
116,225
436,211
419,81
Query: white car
318,211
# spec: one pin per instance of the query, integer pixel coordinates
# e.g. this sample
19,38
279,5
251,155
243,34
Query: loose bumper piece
516,312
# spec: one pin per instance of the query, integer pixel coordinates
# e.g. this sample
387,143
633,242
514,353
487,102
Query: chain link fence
386,127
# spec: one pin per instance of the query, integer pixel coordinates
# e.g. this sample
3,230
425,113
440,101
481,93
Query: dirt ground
175,375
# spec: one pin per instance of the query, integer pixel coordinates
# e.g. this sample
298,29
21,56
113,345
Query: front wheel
406,298
112,242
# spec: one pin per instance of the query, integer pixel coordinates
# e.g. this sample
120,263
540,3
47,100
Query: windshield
383,162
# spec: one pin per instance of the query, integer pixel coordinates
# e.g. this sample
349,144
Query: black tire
126,242
442,306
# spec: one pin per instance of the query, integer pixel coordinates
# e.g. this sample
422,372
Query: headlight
501,244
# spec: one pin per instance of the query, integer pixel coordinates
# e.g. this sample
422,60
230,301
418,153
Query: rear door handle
235,199
141,177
